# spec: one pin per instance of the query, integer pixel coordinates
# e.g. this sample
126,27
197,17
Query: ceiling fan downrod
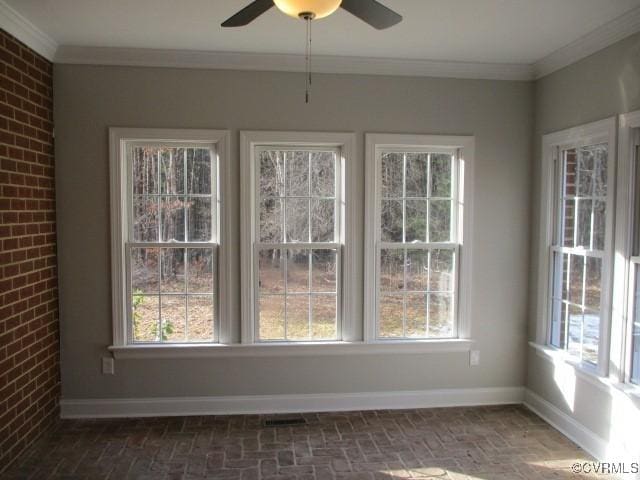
307,17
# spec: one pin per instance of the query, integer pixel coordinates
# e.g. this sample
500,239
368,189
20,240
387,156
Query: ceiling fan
369,11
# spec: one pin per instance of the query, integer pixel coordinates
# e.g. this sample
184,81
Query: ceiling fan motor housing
308,9
371,12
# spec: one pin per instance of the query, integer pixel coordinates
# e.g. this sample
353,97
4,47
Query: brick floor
502,442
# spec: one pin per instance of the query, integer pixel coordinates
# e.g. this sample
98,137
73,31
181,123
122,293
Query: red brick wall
29,343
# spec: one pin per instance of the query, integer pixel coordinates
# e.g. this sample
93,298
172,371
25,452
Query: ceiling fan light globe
319,8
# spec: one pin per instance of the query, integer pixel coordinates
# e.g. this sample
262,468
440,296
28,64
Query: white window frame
620,362
463,148
119,140
231,344
250,141
603,131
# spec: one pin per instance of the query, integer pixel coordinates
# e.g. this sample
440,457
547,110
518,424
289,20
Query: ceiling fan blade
248,13
372,12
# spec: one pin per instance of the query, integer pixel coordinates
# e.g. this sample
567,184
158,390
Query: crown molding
598,39
25,31
289,63
594,41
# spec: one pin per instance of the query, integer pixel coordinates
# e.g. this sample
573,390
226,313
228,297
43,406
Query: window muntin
416,243
578,250
171,251
297,249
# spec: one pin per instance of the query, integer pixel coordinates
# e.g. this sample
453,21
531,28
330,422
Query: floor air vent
284,422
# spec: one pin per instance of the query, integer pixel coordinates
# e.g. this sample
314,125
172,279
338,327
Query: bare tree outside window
417,254
172,261
298,254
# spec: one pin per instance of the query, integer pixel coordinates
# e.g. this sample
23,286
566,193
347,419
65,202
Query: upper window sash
596,246
453,197
336,197
213,195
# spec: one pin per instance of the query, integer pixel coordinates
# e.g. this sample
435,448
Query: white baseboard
601,449
255,404
592,443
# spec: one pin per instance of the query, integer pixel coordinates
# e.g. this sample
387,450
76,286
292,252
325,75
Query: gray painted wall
90,99
600,86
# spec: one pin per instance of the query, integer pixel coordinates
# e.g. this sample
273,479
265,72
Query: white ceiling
500,31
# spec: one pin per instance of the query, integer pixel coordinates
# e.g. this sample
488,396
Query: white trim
370,235
25,31
346,143
545,235
606,384
266,404
558,356
118,207
247,216
592,42
598,39
350,319
119,217
552,144
567,425
226,189
465,146
574,135
300,349
612,450
146,57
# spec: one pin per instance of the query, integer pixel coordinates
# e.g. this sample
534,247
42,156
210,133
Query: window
416,198
626,321
634,370
166,198
578,250
296,238
579,188
298,256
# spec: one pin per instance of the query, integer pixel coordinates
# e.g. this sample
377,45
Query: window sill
586,373
290,349
556,355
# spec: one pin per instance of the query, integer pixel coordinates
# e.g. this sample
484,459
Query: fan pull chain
308,60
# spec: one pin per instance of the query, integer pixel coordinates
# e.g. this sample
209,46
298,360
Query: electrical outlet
474,358
108,367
